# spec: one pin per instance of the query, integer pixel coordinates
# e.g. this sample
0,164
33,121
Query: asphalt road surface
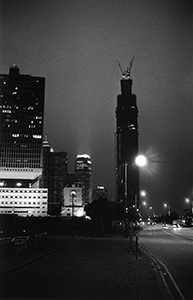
173,248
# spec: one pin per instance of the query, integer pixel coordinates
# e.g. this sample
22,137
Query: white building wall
72,205
24,201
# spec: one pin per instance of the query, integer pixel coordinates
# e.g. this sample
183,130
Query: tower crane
127,73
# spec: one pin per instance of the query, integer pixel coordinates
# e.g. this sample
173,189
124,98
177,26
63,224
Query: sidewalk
98,268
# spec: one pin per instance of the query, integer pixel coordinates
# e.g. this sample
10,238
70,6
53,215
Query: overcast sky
75,45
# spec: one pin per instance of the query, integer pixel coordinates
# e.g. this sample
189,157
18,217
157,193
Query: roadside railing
133,244
18,244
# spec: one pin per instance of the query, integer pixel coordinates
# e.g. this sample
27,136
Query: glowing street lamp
141,161
191,202
168,206
143,193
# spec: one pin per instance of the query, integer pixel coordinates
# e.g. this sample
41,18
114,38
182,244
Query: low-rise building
24,201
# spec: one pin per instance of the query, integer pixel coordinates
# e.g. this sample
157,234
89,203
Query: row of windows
21,155
24,197
10,202
18,169
21,208
29,126
20,191
20,212
22,165
7,109
16,149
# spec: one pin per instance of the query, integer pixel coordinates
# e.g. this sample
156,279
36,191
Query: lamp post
188,200
126,204
168,206
152,211
140,161
72,195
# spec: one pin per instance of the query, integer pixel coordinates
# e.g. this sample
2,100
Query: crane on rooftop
127,73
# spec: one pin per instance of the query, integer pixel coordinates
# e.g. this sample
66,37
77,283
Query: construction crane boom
127,73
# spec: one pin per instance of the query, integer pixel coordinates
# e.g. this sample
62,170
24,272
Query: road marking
157,262
172,279
178,236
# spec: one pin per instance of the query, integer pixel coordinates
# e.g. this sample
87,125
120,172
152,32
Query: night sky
75,45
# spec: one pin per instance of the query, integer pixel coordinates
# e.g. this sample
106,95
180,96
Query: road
173,248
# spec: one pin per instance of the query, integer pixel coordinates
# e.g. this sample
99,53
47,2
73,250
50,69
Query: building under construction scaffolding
127,173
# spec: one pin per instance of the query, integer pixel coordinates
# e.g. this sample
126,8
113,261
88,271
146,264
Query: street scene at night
102,267
96,149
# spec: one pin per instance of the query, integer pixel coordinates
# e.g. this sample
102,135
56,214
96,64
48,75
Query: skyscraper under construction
127,173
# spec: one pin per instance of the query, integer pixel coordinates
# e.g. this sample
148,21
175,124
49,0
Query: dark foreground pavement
97,268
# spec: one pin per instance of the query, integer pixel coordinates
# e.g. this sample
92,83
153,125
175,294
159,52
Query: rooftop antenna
127,73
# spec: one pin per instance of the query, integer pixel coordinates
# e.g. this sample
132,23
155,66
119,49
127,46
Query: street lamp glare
141,160
143,193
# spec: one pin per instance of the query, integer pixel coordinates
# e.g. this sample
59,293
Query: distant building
21,135
55,168
72,201
100,192
83,175
127,174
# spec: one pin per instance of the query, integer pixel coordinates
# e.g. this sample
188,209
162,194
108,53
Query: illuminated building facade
72,201
127,173
23,201
83,175
55,168
21,129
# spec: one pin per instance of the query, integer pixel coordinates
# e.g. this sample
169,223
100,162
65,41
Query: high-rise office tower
127,173
21,123
83,173
21,130
55,168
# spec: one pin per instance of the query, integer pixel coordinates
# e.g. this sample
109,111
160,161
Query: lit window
6,111
37,136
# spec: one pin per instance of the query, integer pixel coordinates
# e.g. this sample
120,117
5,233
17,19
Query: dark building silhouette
127,173
55,168
70,179
100,192
83,175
